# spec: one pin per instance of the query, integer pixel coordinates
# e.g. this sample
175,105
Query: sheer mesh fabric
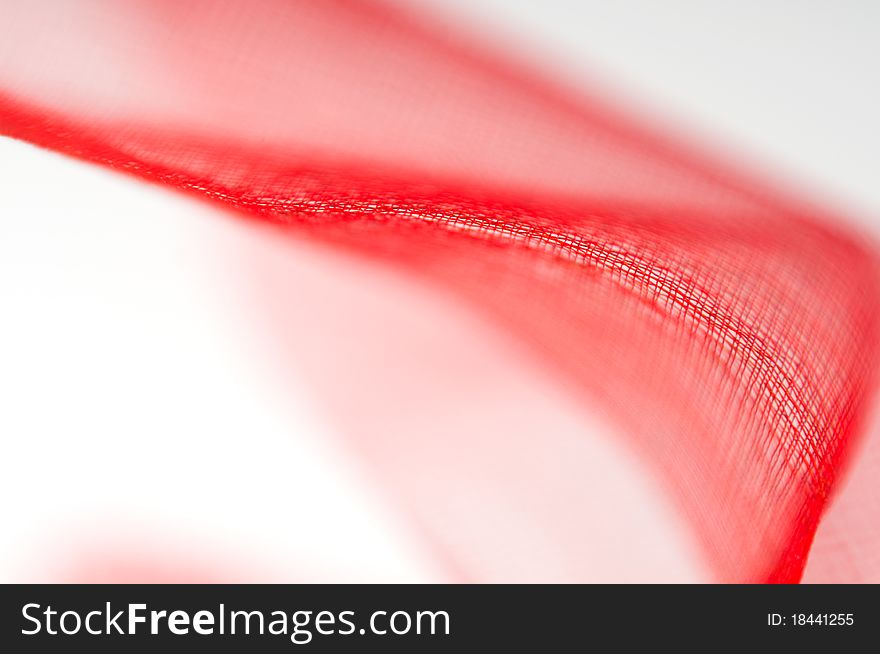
729,332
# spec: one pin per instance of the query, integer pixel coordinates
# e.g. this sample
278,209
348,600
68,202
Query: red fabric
730,333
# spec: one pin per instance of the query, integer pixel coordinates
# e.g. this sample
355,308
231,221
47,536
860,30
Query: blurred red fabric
730,332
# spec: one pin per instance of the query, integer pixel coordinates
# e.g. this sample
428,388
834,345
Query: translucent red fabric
728,331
